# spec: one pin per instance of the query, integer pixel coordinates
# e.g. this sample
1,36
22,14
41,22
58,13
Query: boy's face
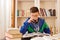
35,15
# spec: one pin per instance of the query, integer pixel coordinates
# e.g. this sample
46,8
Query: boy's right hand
30,20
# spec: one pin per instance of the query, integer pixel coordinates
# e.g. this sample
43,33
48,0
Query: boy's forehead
34,13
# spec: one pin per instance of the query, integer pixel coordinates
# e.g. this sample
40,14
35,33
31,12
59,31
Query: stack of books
13,35
49,12
23,13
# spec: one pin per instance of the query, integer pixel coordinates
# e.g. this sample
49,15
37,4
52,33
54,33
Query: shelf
27,4
40,0
48,0
22,17
26,0
40,17
50,17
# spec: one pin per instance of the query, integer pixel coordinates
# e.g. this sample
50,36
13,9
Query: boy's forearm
24,28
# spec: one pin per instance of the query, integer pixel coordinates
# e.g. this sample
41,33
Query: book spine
54,12
17,12
23,12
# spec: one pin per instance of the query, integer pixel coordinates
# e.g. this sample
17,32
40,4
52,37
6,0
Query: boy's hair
34,9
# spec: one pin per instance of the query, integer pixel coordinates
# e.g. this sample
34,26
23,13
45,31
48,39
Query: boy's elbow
47,31
21,32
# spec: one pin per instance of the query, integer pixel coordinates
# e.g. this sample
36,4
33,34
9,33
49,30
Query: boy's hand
30,20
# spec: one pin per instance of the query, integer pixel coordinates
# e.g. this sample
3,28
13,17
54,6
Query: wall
48,4
25,5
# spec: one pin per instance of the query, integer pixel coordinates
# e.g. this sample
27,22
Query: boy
34,23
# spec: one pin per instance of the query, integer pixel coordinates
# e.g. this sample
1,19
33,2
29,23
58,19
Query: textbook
35,35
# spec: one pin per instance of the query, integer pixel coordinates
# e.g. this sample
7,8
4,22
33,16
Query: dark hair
34,9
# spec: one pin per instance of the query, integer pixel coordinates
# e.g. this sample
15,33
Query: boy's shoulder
41,19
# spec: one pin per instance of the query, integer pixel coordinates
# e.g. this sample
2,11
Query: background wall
48,4
25,5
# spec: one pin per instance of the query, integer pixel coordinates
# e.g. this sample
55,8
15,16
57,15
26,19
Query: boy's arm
23,29
46,28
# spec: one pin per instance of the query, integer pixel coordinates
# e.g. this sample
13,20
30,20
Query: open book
42,38
35,35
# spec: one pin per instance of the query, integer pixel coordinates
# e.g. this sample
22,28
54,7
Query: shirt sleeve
46,28
24,28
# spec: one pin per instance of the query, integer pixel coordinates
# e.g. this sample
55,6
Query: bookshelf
23,11
23,7
40,17
13,13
